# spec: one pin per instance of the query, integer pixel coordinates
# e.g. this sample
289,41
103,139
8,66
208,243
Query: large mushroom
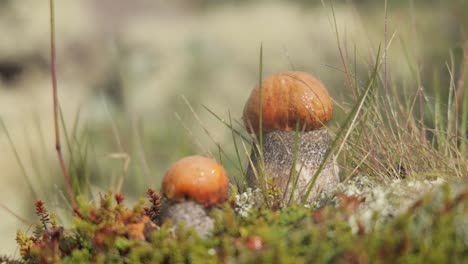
289,99
192,187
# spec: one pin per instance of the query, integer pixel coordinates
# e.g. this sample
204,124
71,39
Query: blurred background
136,79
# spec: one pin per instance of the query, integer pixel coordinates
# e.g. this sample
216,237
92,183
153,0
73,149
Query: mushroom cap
287,98
197,178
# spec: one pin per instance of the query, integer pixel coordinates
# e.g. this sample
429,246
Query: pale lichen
382,201
247,200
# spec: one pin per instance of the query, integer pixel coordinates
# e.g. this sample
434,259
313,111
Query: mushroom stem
278,153
192,186
191,214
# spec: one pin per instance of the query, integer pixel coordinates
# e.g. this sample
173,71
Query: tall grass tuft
416,135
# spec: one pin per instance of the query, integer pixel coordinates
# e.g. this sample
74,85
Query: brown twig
53,69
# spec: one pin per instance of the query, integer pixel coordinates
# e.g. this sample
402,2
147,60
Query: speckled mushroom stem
278,152
192,187
191,214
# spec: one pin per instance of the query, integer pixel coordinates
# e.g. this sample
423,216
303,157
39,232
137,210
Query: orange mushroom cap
287,98
198,178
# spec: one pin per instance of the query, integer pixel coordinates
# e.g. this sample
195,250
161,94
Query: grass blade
236,148
348,123
19,161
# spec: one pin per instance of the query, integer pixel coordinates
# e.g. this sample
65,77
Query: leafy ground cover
431,229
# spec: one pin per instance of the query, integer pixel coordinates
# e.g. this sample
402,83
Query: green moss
431,230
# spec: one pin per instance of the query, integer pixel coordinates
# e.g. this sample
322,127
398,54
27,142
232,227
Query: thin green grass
260,161
238,156
72,166
35,164
294,174
256,164
221,151
33,192
400,145
347,126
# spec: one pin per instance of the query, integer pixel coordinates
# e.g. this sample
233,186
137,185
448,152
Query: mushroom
192,187
288,99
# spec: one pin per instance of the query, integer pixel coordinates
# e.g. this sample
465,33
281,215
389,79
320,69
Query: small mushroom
288,99
192,187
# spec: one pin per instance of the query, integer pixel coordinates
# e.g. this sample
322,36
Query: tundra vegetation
399,140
